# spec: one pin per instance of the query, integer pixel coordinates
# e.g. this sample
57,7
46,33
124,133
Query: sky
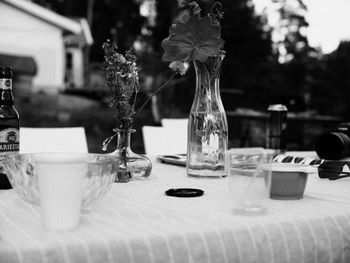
329,22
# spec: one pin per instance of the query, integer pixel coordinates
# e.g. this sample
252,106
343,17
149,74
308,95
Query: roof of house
78,27
84,37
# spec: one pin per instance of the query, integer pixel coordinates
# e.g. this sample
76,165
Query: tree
331,86
289,35
248,53
297,59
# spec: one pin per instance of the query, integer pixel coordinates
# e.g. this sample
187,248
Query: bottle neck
6,96
123,139
207,93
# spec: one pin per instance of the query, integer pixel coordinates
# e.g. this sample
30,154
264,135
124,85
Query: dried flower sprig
122,80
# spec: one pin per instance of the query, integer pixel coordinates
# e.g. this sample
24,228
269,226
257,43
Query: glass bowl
98,173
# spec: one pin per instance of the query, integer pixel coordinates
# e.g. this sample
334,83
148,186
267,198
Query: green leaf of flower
195,40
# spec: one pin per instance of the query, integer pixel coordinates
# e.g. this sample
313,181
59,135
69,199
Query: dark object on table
276,129
334,145
9,122
184,192
4,182
334,170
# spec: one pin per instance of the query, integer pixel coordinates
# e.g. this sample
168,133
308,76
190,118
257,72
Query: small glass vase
207,123
132,166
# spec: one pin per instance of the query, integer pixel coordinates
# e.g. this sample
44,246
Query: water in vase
207,142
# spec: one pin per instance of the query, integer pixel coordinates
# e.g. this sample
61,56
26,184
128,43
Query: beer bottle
9,123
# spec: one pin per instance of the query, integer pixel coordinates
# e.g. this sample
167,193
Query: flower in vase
123,82
193,38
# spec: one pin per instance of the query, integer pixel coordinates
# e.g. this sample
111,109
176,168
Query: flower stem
154,93
136,92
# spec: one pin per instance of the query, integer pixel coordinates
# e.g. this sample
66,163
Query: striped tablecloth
137,222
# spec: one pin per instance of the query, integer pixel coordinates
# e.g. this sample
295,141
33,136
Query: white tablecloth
137,222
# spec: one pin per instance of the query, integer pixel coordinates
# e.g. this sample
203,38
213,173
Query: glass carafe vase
207,123
132,166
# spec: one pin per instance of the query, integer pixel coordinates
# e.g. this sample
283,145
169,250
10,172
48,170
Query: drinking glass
249,179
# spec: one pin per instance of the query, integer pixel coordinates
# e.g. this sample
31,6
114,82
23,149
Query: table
137,222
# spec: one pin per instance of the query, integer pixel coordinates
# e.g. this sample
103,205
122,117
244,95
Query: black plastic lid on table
184,192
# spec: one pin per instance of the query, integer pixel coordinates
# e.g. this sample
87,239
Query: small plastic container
288,180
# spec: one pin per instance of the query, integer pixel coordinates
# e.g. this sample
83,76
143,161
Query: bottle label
5,84
9,144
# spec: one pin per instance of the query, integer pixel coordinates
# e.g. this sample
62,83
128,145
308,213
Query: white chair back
179,124
160,140
39,140
177,131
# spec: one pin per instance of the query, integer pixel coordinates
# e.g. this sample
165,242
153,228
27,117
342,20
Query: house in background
25,70
56,43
